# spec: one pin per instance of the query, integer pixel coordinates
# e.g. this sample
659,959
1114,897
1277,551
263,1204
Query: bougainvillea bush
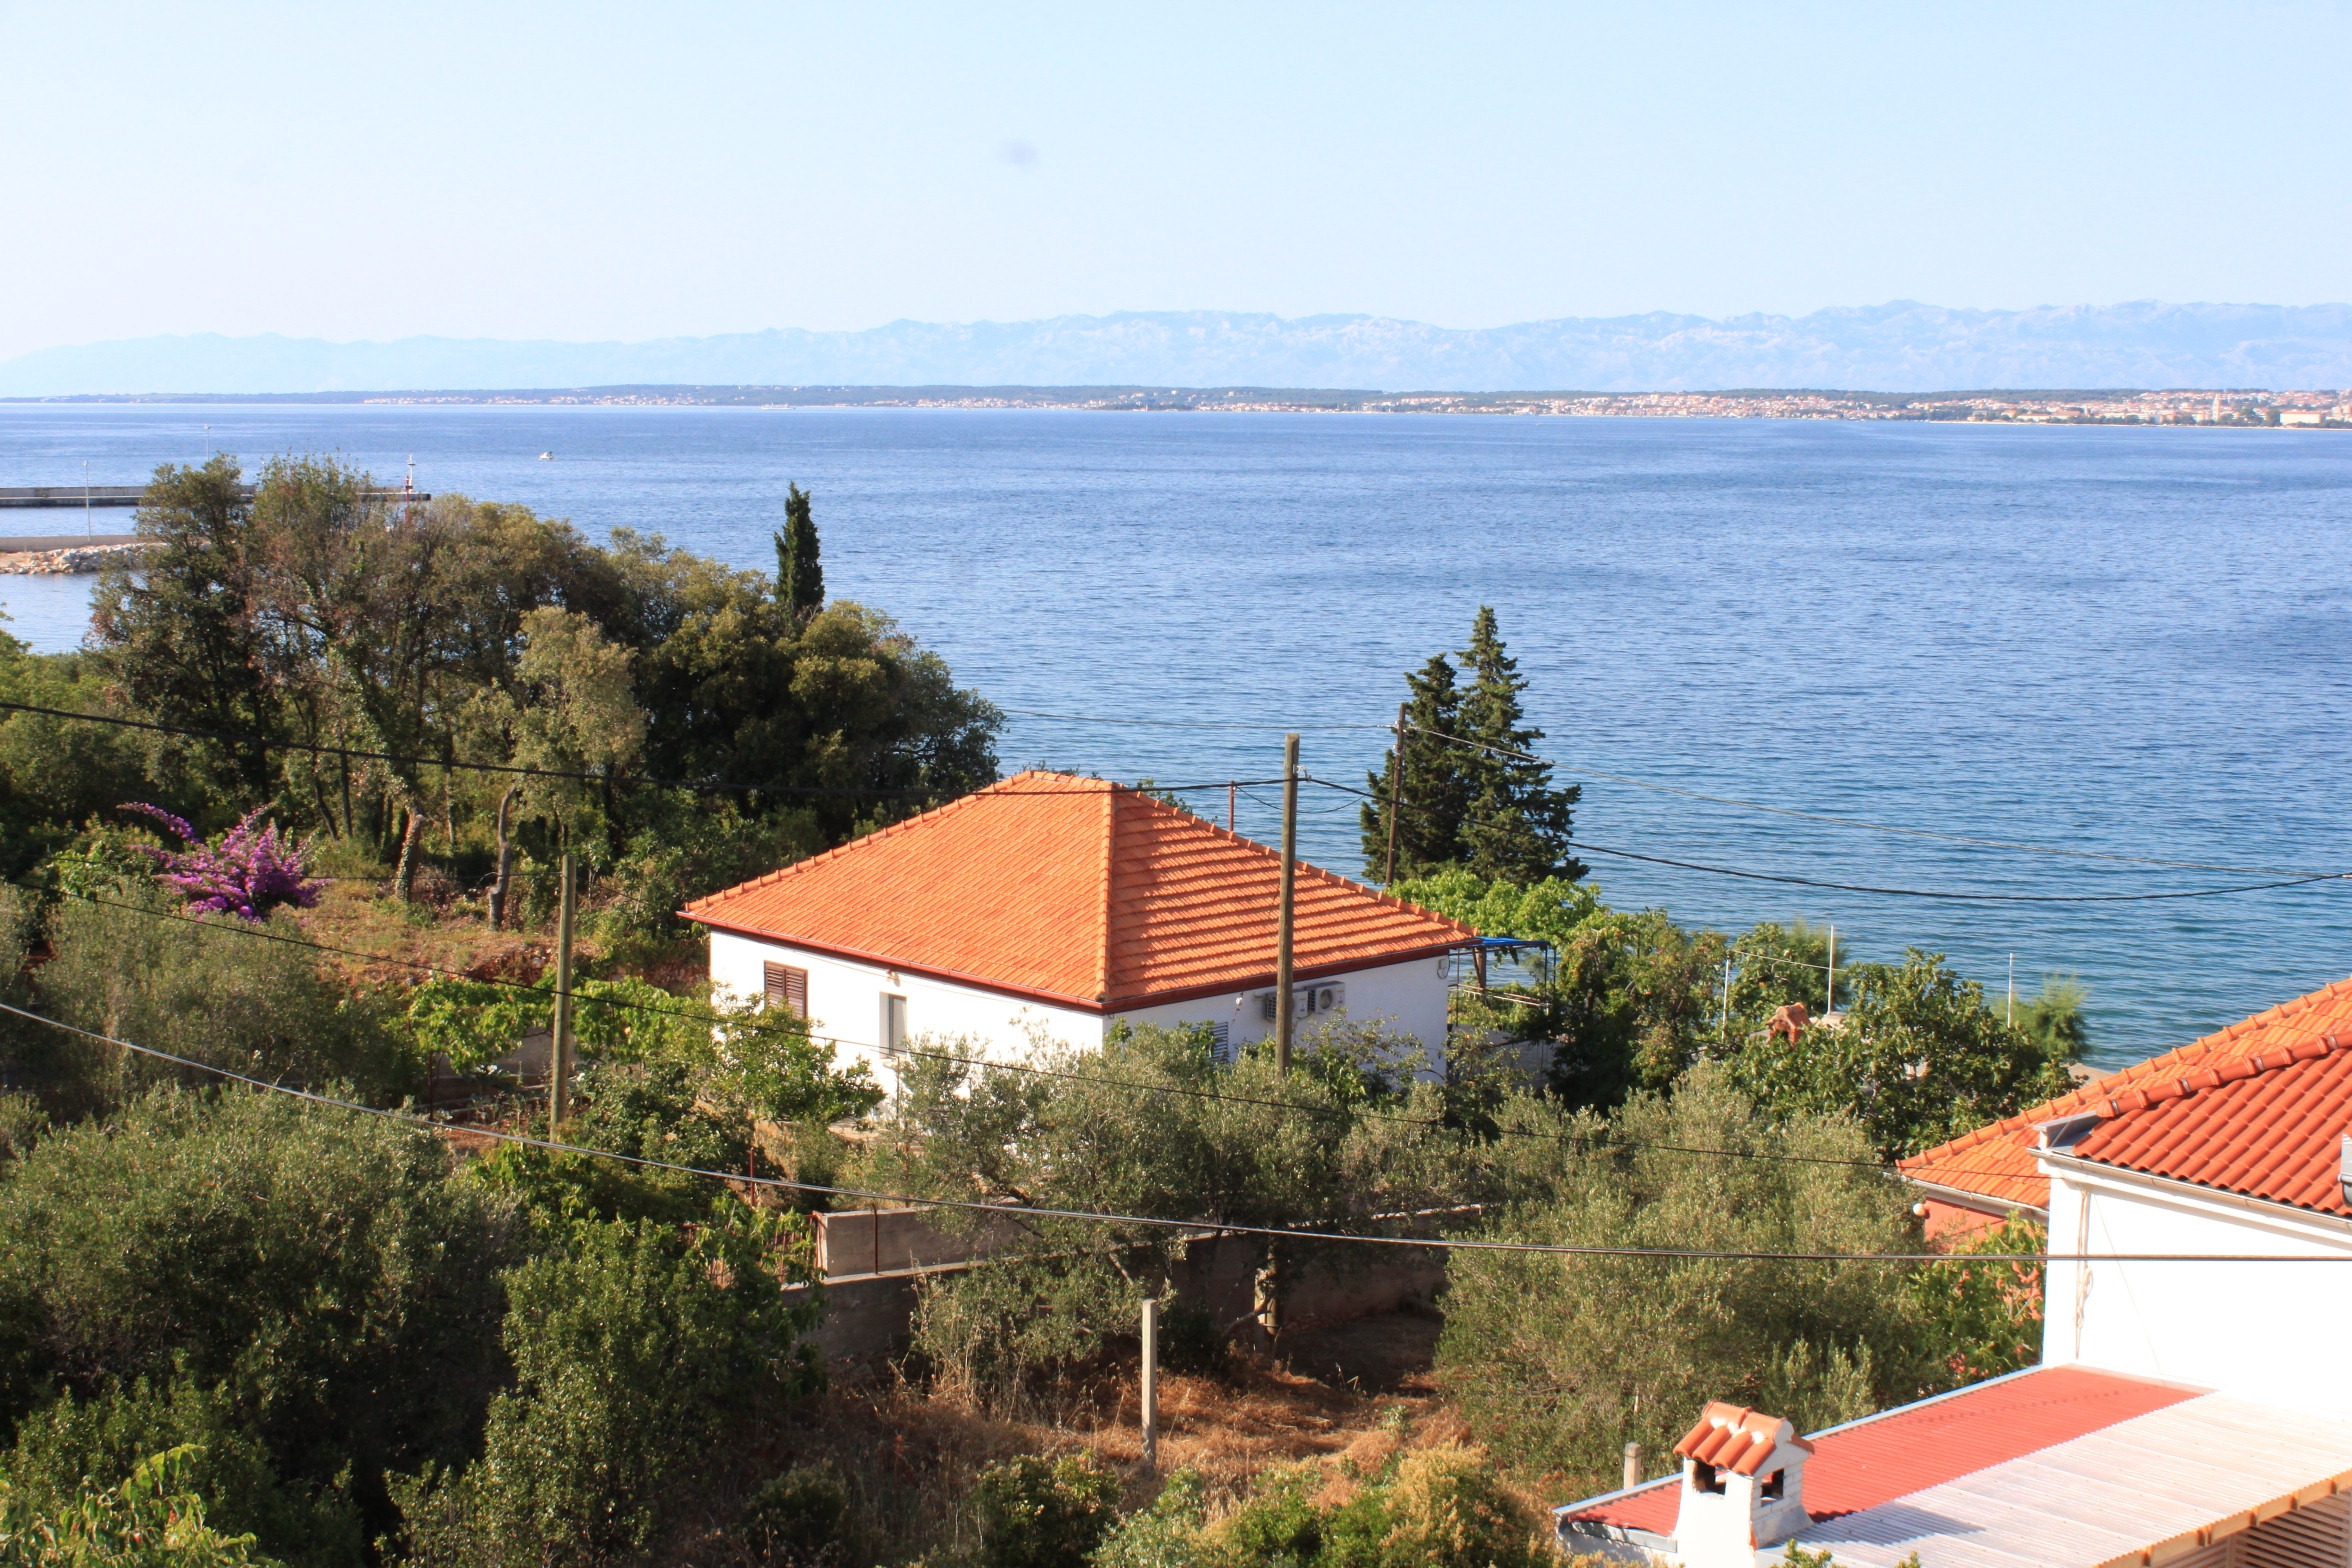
251,871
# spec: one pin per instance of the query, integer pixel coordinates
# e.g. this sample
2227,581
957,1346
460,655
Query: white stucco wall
2264,1331
846,1003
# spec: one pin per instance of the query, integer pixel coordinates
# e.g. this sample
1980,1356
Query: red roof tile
1904,1450
1997,1161
1732,1437
1078,891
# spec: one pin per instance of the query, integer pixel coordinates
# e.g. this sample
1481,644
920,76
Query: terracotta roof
1077,891
1997,1161
1731,1437
1880,1458
2270,1125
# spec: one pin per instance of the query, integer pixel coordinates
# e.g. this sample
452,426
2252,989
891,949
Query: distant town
2109,406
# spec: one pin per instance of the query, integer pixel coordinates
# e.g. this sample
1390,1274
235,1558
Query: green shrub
310,1261
1032,1512
1559,1361
70,1445
636,1349
1171,1533
799,1519
155,1519
1438,1508
199,989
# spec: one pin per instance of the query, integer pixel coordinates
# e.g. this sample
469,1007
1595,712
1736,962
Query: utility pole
2011,1018
1149,1414
1396,794
1231,789
1831,1005
88,527
1285,1013
559,1053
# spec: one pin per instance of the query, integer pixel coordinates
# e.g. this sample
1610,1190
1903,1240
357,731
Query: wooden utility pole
1396,793
1285,1011
1150,1399
559,1052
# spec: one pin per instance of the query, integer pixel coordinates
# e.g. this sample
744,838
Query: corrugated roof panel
2170,1475
1872,1461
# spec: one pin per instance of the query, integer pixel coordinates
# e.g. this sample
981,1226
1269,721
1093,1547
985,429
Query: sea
1952,687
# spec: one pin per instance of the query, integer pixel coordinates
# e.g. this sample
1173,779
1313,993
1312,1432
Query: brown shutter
787,986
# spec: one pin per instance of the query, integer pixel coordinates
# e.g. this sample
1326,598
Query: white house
1058,906
2193,1405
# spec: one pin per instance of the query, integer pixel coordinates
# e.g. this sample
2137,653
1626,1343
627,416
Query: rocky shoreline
73,560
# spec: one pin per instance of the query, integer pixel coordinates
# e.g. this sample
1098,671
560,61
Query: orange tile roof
1997,1161
1078,891
1734,1438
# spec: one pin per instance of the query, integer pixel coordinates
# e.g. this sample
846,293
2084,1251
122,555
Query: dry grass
1350,1399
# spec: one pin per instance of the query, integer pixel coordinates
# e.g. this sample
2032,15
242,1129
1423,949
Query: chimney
1743,1487
2344,1169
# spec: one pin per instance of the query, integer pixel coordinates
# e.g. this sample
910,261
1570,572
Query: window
894,1024
787,987
1772,1486
1221,1042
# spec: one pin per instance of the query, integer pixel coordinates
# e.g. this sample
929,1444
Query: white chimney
1743,1487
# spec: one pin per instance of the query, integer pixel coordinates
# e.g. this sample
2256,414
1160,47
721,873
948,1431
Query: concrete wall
2263,1331
846,1003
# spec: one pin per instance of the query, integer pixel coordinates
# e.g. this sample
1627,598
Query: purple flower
248,873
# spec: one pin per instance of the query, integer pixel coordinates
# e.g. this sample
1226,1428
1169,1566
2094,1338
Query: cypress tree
1434,797
1516,825
800,581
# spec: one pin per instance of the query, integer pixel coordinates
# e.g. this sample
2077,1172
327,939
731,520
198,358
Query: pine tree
1516,825
1434,797
800,581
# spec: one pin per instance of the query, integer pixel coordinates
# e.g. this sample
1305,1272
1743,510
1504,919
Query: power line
518,770
714,1018
1952,897
717,1018
1185,724
1852,822
1294,1233
2290,880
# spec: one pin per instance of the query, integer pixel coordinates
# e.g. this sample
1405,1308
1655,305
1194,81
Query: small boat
547,457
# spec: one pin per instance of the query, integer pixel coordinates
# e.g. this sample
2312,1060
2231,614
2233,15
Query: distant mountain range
1899,347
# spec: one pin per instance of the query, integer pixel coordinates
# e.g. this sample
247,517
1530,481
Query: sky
590,172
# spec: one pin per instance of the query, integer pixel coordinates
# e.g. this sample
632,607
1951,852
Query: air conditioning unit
1306,1001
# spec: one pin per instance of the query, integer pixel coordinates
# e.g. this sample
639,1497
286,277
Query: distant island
2110,406
1903,347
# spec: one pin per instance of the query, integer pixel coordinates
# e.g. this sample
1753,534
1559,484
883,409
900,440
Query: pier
88,497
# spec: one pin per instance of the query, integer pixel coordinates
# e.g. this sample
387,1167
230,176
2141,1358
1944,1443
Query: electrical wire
1210,1226
1187,724
1953,897
2289,880
714,1018
518,770
1853,822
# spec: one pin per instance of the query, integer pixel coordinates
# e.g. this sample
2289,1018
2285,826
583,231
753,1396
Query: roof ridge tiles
1111,899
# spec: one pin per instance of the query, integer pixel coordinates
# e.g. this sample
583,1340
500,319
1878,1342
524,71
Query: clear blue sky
585,171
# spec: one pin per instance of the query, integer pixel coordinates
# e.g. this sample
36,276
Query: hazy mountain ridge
1900,347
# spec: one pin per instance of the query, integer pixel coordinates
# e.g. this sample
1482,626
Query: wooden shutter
787,987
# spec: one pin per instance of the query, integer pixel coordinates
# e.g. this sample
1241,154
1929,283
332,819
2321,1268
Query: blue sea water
2129,642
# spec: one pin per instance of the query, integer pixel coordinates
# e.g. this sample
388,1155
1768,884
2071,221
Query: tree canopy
1472,793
